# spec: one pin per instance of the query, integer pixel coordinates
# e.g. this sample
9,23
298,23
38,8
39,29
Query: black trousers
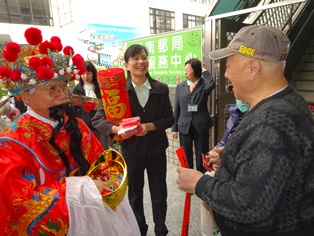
201,145
156,168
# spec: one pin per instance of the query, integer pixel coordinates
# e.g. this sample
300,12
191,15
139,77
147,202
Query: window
31,12
65,13
191,21
161,21
202,1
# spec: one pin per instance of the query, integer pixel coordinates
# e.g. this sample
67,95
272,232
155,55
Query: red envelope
182,157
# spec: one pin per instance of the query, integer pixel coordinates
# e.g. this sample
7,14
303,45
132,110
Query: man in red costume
46,153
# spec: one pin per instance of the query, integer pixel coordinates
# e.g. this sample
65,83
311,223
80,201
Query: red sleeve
91,146
28,208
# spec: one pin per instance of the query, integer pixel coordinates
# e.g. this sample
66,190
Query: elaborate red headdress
24,66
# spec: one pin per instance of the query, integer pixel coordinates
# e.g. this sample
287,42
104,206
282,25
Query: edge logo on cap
246,50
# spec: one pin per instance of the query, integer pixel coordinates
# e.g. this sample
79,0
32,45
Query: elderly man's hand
212,159
187,179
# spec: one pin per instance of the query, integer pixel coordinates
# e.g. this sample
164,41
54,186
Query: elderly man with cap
264,184
47,152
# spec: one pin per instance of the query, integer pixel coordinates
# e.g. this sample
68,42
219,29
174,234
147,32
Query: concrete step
305,66
302,75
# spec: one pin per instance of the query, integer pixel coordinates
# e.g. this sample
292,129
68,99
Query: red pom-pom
16,75
34,62
33,36
5,72
68,51
81,69
12,47
44,73
47,62
89,106
9,56
53,46
55,39
78,60
58,46
43,47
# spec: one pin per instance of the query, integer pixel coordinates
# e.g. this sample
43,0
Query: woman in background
88,86
192,118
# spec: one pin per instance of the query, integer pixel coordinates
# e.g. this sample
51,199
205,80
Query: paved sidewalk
175,207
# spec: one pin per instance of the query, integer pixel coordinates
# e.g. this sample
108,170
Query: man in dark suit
192,119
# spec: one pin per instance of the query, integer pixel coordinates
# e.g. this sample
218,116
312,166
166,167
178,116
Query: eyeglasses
54,89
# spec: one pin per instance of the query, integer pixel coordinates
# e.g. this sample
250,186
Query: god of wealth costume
37,196
32,176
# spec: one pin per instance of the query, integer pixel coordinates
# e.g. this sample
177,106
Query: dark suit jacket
87,116
201,119
158,110
79,111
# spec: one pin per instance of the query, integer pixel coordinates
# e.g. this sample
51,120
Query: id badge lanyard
192,107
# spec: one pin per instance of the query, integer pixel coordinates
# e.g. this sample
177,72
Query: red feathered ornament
47,62
81,69
43,47
58,46
78,61
34,62
33,36
9,56
68,50
12,47
53,46
5,72
89,106
15,75
55,39
44,73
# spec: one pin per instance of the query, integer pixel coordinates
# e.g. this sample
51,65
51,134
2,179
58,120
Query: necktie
192,87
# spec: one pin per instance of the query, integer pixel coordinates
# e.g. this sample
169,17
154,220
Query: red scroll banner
114,95
187,203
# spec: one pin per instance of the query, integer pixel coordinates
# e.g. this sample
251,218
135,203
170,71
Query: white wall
127,13
134,13
180,7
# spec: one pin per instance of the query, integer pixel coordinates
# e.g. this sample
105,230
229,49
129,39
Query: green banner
168,52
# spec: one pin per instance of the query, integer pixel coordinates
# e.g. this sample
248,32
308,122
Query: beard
57,112
70,124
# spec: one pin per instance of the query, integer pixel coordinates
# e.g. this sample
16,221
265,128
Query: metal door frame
217,34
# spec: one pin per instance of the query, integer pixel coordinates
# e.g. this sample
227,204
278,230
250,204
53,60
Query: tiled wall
173,144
